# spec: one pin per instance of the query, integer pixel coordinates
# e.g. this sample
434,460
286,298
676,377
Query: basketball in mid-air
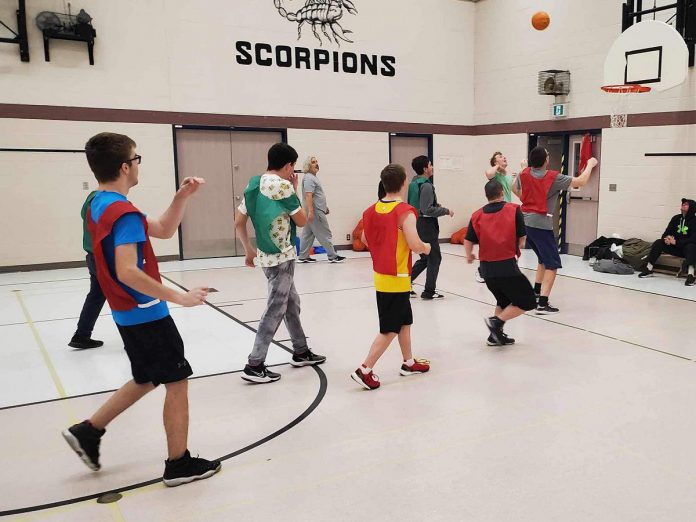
541,20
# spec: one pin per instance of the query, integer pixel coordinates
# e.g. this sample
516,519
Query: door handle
237,198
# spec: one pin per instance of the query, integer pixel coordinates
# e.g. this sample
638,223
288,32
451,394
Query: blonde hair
307,163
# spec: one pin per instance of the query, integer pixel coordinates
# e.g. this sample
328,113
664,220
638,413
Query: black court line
323,386
600,283
545,318
101,392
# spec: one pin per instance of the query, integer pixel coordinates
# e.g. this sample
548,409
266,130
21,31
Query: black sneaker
83,343
690,280
337,259
412,294
259,374
495,327
307,359
187,469
84,439
506,340
547,309
646,273
430,297
307,260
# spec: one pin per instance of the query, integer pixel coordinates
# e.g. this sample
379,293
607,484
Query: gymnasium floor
588,417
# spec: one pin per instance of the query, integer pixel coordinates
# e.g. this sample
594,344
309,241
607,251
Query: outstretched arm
583,178
165,226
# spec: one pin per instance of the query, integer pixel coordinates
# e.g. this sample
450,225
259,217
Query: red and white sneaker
369,380
419,366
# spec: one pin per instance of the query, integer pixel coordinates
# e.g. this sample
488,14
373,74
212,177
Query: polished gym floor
588,417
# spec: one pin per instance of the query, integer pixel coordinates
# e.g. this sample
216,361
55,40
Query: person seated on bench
678,240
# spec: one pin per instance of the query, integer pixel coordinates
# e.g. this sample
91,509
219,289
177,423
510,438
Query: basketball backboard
650,53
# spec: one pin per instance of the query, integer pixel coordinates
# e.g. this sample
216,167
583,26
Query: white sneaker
479,279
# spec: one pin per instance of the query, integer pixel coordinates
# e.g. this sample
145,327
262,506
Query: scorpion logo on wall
321,14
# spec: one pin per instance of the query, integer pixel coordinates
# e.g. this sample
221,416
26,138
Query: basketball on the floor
541,20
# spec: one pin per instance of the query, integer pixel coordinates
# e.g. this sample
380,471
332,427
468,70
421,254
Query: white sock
691,269
410,362
650,266
364,369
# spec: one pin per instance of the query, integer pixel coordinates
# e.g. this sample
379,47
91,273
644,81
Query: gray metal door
207,229
404,148
583,203
227,160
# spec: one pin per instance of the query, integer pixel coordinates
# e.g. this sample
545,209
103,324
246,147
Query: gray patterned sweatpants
283,304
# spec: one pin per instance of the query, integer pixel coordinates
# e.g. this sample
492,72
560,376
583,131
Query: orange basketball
541,20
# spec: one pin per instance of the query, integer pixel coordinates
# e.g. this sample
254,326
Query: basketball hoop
619,108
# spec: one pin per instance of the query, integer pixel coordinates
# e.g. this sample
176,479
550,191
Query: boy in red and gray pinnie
499,230
390,232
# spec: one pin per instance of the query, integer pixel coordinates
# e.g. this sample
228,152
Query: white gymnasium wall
349,168
43,194
455,180
178,55
509,53
649,190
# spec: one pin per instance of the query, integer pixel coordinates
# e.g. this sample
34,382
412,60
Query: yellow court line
44,353
116,512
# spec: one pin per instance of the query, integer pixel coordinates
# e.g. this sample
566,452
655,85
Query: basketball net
619,107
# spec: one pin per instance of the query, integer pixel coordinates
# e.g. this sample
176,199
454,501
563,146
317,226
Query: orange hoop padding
625,89
458,237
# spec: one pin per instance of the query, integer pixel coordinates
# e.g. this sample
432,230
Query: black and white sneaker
506,340
187,469
690,280
337,259
259,374
306,260
546,310
495,327
412,294
84,439
646,273
307,359
430,297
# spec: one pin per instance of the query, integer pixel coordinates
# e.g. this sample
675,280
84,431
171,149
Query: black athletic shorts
516,290
394,309
156,352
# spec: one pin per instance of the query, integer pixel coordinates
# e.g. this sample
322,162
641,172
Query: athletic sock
410,362
537,288
364,369
691,269
650,266
543,300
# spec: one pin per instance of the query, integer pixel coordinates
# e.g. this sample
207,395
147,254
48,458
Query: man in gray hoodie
421,195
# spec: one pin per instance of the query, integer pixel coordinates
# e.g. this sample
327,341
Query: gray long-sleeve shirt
428,203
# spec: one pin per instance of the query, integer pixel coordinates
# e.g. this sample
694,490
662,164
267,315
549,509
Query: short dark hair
393,177
493,157
106,152
493,190
280,155
419,164
537,157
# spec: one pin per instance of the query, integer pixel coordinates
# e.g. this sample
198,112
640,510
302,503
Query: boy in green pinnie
271,202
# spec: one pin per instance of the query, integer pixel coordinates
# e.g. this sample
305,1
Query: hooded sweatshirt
683,227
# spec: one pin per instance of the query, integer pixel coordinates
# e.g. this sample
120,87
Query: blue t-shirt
127,229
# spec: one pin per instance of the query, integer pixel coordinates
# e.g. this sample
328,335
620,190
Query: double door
227,160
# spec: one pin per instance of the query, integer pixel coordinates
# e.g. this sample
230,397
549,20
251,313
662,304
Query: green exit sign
559,110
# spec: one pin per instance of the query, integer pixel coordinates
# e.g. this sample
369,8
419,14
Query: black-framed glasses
137,158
